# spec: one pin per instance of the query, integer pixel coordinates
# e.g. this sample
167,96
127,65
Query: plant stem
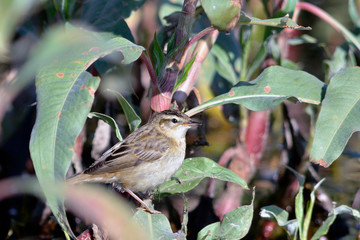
150,68
184,26
201,51
200,35
330,20
161,97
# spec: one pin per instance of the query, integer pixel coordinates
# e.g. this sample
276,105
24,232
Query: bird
145,159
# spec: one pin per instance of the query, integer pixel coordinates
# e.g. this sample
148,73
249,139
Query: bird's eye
174,120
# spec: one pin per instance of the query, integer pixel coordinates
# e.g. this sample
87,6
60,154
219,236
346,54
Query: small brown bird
145,159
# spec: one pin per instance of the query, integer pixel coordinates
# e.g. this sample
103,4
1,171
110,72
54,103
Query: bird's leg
118,187
152,211
122,189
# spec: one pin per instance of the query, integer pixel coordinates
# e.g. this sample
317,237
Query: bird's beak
192,123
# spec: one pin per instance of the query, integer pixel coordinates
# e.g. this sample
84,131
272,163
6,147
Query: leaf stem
200,35
150,68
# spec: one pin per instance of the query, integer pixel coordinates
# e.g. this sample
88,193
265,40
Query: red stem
150,68
318,12
199,35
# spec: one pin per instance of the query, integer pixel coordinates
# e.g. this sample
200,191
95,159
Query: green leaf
338,118
132,118
193,170
108,16
299,201
157,56
64,8
55,44
209,232
332,216
270,88
303,39
274,212
292,228
299,177
60,118
235,224
309,211
223,63
156,225
257,61
324,228
340,60
109,120
65,93
281,217
343,209
299,209
171,45
185,73
282,22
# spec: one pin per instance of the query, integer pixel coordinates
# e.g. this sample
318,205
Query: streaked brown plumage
146,158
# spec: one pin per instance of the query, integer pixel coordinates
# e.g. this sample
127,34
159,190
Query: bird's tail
78,178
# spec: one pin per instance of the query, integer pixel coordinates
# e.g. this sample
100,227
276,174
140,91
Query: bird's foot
145,205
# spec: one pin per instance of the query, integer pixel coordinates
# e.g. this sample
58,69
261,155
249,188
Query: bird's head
173,123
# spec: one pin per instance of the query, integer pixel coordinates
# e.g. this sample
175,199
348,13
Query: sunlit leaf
274,212
193,170
65,93
338,118
270,88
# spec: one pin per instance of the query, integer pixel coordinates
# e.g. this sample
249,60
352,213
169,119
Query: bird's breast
150,175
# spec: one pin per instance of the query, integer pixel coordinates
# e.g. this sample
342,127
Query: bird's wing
128,154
